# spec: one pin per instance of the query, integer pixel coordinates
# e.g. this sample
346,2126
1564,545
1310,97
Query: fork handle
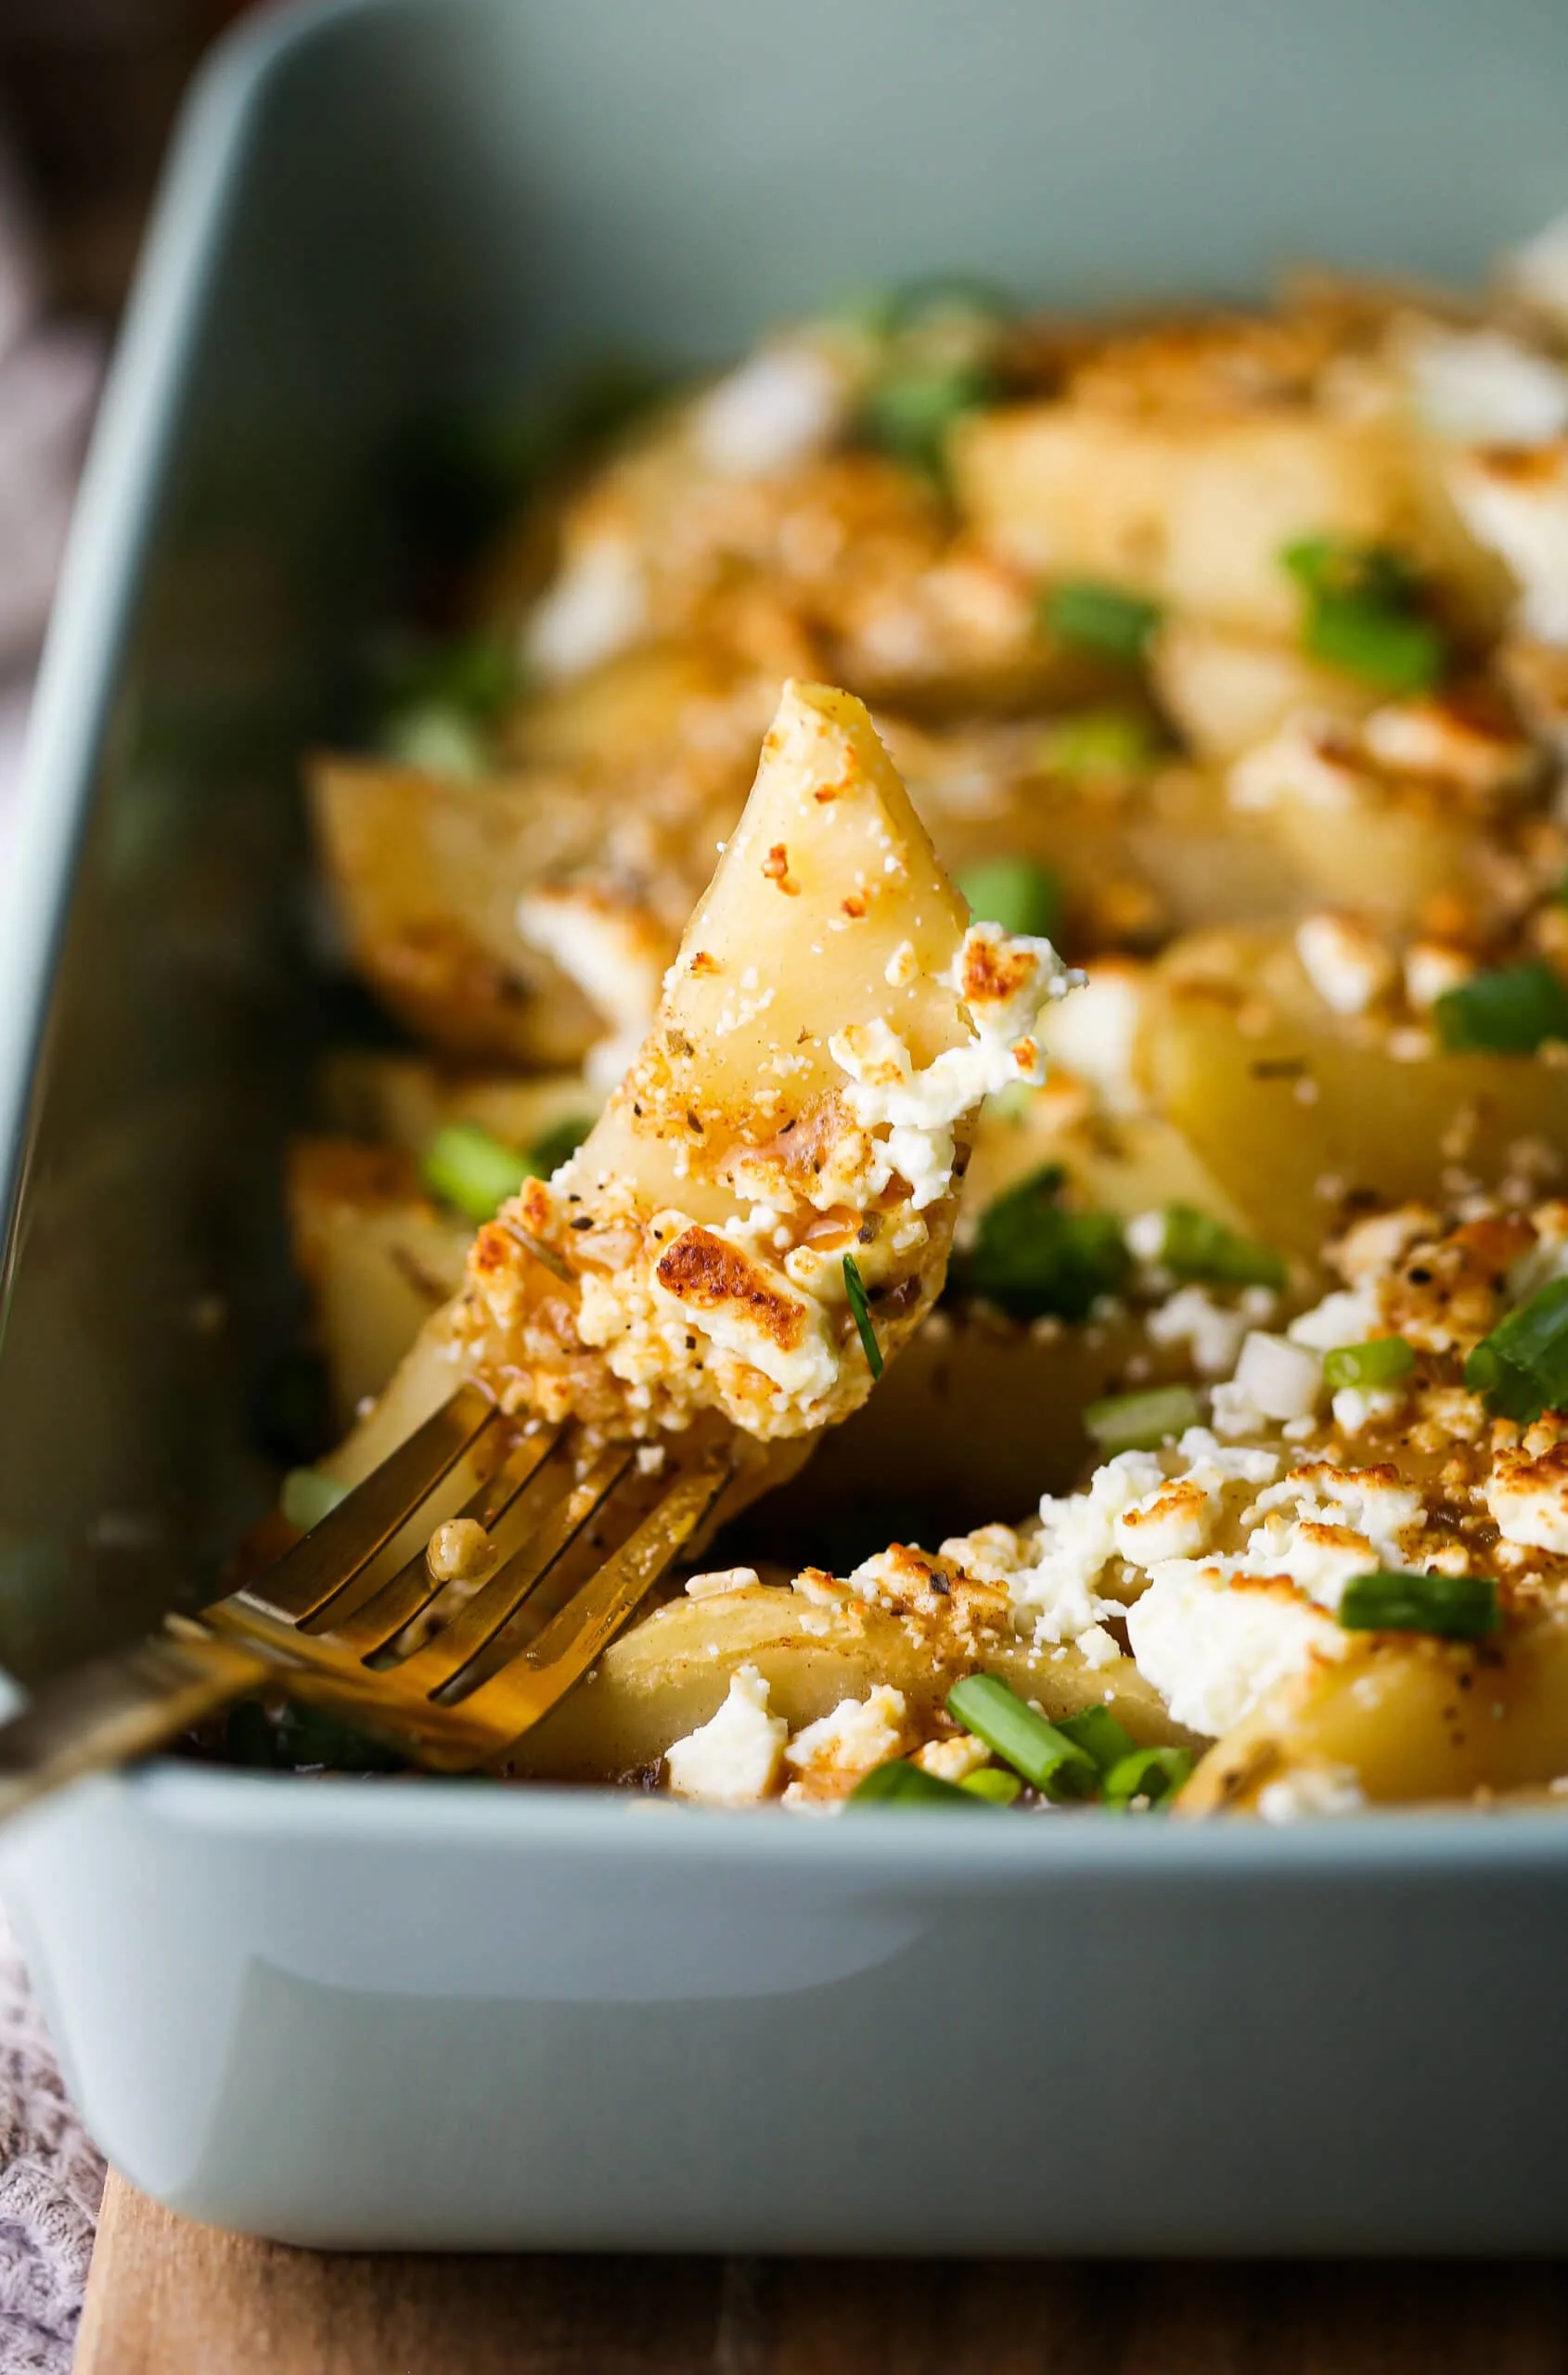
117,1708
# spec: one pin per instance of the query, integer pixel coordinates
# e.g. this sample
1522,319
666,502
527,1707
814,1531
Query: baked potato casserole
1155,1353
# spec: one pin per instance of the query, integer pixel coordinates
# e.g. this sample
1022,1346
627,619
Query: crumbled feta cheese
1483,388
1315,1789
1432,968
953,1760
859,1733
1094,1034
902,966
719,1580
1515,502
734,1759
597,606
1528,1490
752,1308
1356,1408
1347,964
781,405
1213,1648
1098,1648
1005,982
1280,1379
1350,1316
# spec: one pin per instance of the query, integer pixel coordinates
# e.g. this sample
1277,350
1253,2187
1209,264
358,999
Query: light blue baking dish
438,2015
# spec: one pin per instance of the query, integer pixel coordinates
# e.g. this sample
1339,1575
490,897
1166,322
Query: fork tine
334,1552
497,1600
374,1622
507,1704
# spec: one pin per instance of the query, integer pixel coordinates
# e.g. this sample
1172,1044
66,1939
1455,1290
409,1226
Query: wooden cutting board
170,2298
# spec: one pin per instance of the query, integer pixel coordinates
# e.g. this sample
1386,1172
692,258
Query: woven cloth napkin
51,2178
51,2182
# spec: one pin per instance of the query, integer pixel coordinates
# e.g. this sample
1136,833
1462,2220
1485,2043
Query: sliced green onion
1522,1367
911,412
471,1171
1096,1731
1141,1421
1370,572
1015,893
1098,743
437,740
905,1784
1459,1608
1360,614
1384,648
441,700
855,1288
1011,1730
1196,1245
556,1144
1153,1773
1368,1366
990,1781
1509,1011
307,1497
1101,618
1035,1261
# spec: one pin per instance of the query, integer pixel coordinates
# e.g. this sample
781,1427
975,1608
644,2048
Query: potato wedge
426,873
1408,1720
378,1256
1193,508
671,1673
1292,1108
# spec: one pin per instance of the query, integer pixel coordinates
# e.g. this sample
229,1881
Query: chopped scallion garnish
1151,1773
1035,1260
904,1784
1101,618
442,701
1011,1730
307,1497
1196,1245
855,1288
471,1171
1459,1608
1141,1421
1522,1367
994,1783
437,740
1360,614
1367,1366
1096,1731
1512,1010
1015,893
1098,744
910,413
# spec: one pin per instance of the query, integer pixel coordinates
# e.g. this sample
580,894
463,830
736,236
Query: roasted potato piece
670,1673
1292,1106
426,874
377,1254
1193,508
1406,1719
1227,690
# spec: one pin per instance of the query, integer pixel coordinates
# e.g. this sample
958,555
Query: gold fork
344,1620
